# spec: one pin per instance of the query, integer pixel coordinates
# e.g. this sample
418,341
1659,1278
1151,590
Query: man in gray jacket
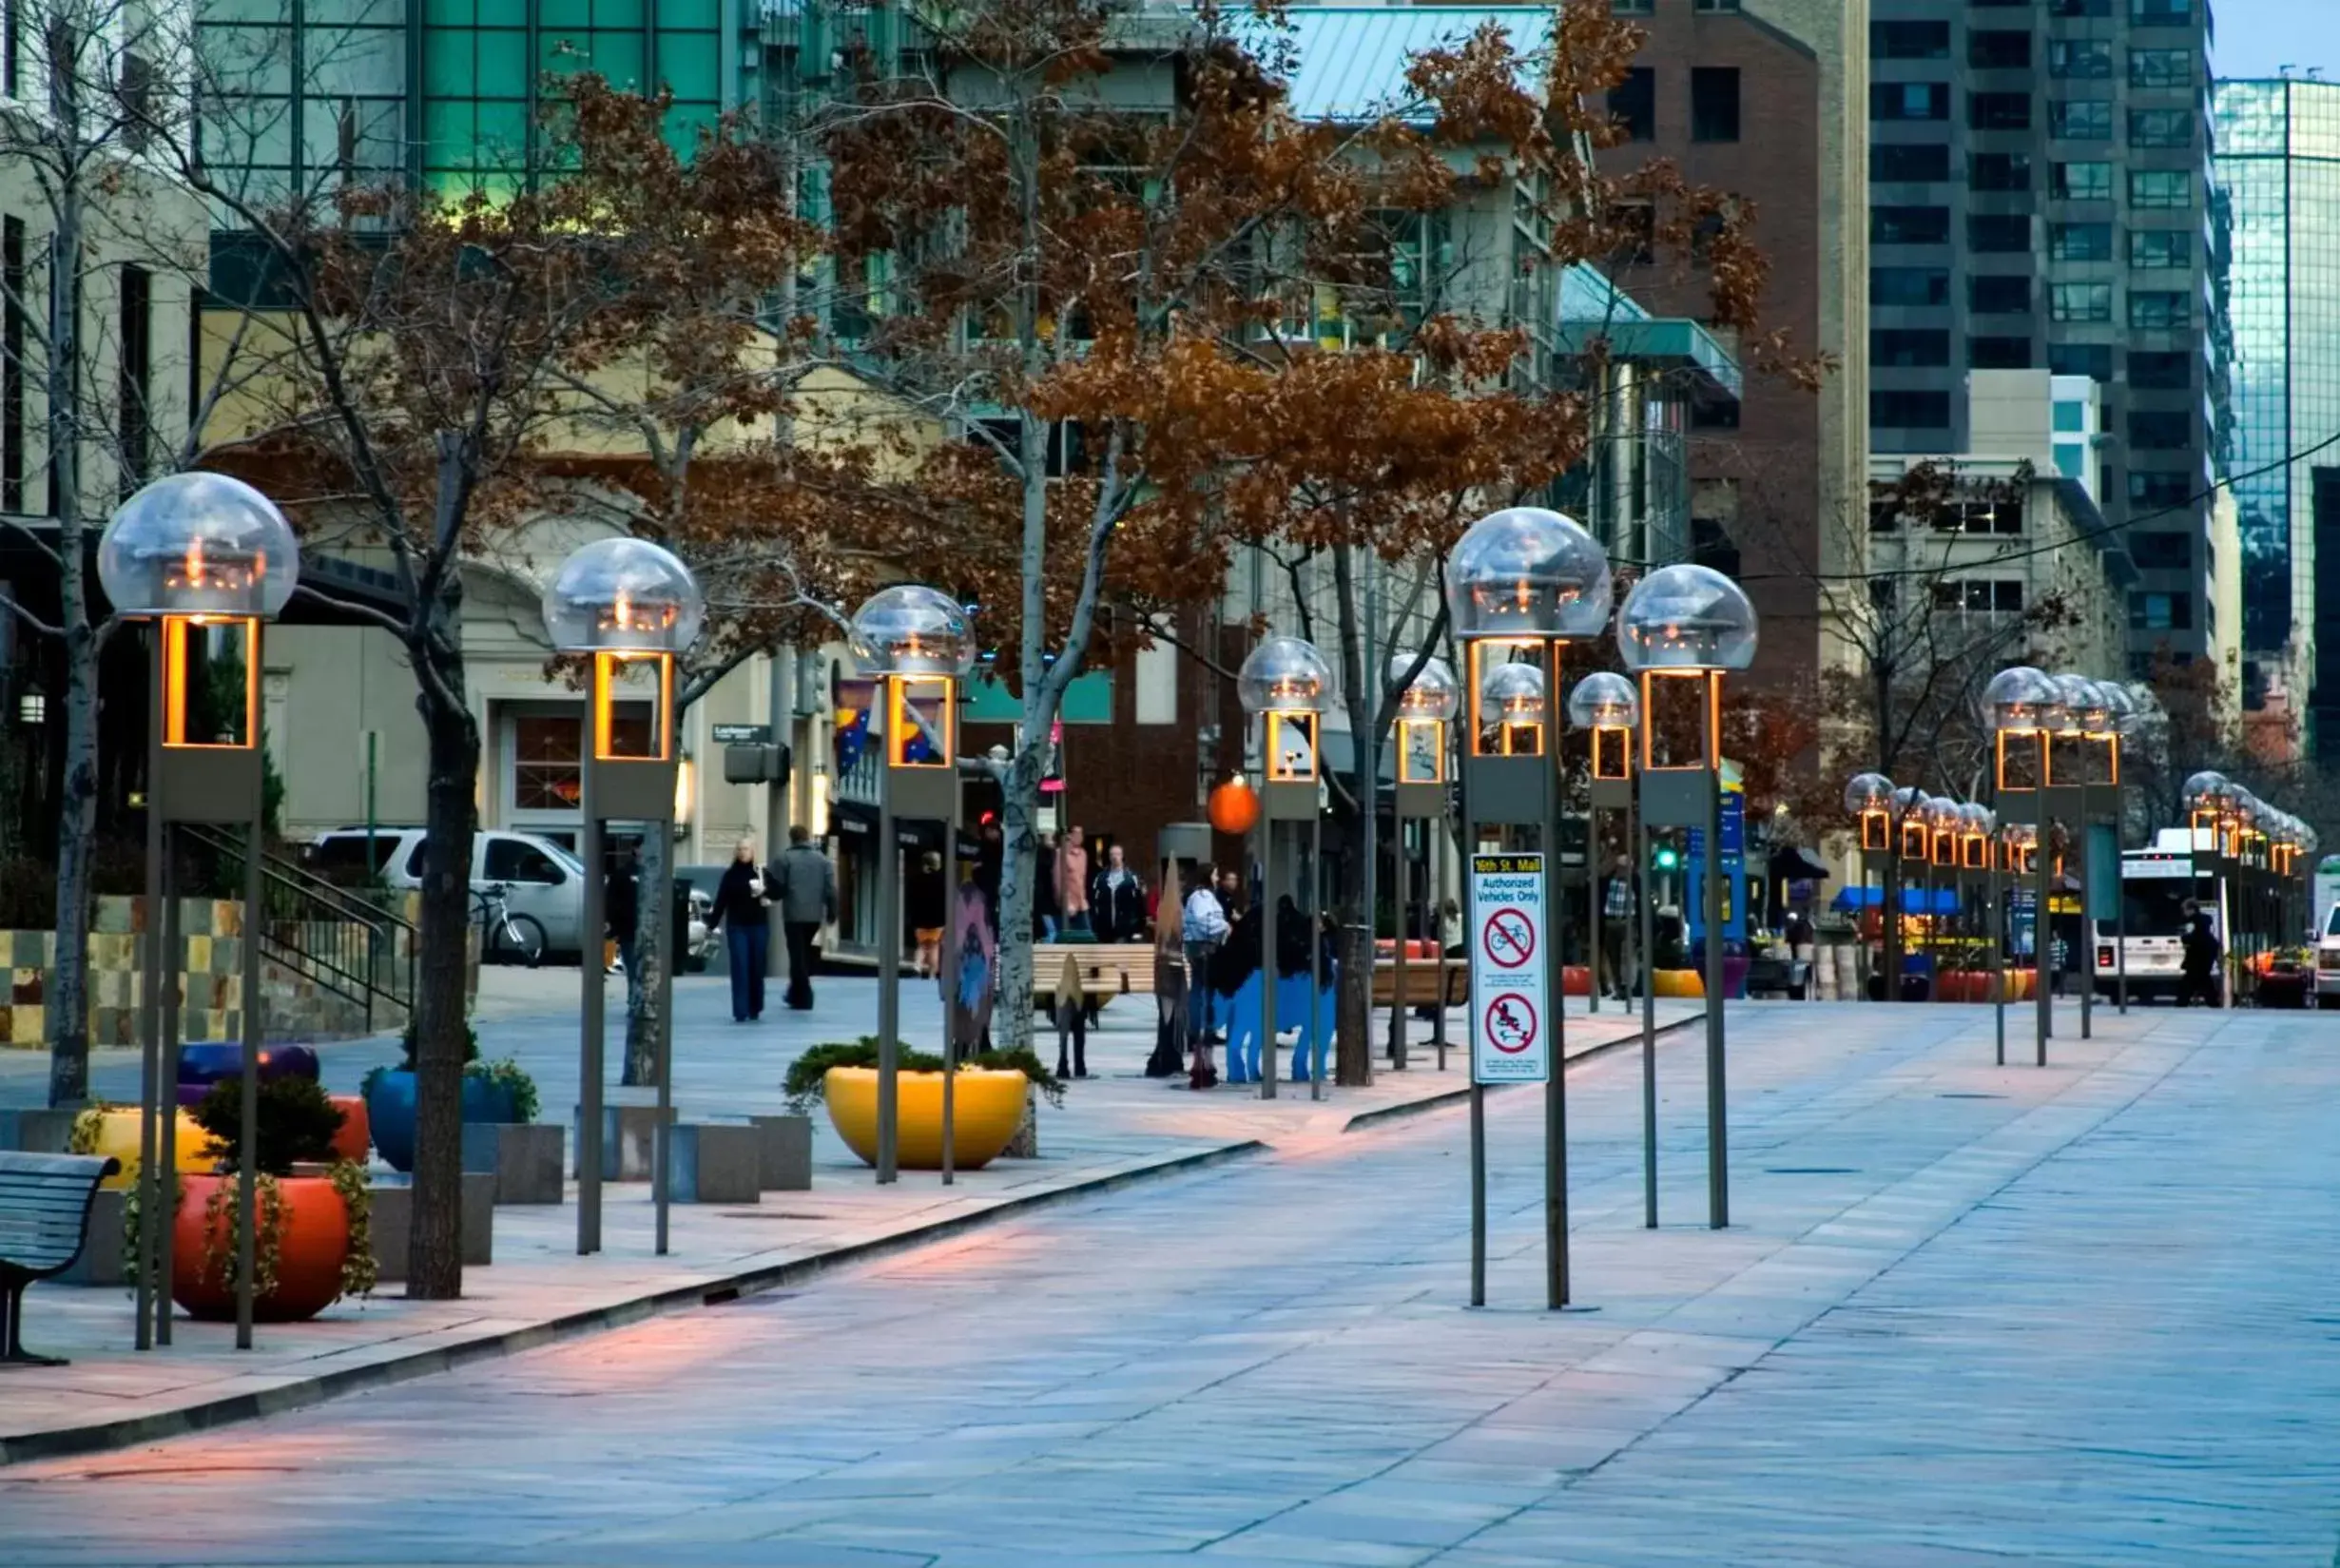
805,887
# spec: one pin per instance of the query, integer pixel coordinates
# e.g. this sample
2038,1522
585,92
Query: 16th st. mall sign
1509,1029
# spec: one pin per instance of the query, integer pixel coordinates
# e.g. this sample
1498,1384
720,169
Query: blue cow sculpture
1245,1038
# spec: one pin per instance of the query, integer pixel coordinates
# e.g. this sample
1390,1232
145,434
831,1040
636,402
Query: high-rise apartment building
2278,164
2041,198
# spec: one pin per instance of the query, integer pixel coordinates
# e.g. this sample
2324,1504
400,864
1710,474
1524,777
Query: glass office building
2279,166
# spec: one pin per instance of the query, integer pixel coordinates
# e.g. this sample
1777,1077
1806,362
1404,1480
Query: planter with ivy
312,1234
493,1091
988,1100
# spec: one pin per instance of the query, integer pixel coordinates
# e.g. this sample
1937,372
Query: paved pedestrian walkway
1114,1128
2077,1315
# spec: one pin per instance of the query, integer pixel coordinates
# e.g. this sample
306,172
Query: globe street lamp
1286,685
2090,726
630,607
917,643
210,561
1682,629
1870,798
2024,709
1428,702
1520,585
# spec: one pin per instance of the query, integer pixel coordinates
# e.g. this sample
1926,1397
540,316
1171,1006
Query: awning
1797,863
858,821
1914,900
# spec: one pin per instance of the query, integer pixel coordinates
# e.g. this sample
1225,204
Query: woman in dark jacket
1118,901
744,918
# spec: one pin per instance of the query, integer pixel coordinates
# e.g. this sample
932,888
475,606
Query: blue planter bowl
202,1063
390,1110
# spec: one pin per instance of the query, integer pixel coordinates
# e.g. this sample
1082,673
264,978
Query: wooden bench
1422,984
1106,970
45,1204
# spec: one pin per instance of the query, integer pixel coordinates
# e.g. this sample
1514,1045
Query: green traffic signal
1666,859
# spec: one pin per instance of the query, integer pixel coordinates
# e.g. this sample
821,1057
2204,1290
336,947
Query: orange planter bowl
1576,980
309,1256
357,1135
1680,982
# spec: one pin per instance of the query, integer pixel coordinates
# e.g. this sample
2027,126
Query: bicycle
505,936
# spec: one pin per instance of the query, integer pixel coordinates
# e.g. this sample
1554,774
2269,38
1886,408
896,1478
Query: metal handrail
327,934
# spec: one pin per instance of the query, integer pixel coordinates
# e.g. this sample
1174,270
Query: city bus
2155,885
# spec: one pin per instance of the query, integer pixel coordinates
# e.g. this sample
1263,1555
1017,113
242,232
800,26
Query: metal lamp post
1607,707
1521,585
1682,628
2023,707
2012,847
1868,798
1286,685
210,561
631,608
1977,826
917,644
1425,706
2091,769
2123,719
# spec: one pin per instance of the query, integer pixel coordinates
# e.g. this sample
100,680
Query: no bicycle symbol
1511,1023
1508,938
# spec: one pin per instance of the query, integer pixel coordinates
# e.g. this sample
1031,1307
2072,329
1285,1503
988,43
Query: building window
2155,549
2159,492
1909,225
2160,67
1998,353
1908,286
1714,414
2156,312
2156,371
1909,350
1632,104
1630,7
2161,612
2069,418
1714,4
12,325
1994,51
1910,410
2161,189
2008,296
2082,182
1982,596
2160,249
2079,241
1920,163
1909,101
1996,232
1999,111
2154,432
2093,360
2081,119
2161,13
2081,59
133,380
547,764
11,34
1909,40
1999,171
2080,7
1713,103
2080,302
2160,127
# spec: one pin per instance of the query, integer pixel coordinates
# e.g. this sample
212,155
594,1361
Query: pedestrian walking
1072,879
742,915
1619,902
806,888
2199,960
924,913
1117,902
1044,911
1203,928
621,908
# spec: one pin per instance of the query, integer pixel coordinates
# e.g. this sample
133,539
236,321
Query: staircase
339,958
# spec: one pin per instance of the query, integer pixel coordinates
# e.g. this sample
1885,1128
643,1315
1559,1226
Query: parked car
542,881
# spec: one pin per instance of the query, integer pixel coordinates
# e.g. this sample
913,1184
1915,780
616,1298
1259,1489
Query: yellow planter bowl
1680,982
985,1109
117,1136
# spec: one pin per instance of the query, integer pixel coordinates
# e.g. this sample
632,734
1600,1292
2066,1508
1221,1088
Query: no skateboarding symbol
1509,938
1510,1023
1508,970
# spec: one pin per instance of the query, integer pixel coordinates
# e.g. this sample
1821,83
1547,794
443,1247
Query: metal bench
45,1204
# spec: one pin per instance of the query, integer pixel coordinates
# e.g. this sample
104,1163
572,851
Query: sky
2257,36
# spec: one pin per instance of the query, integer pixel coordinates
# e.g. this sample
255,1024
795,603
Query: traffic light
1666,858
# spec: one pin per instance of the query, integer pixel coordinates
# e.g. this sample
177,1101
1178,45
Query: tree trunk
68,995
1353,1006
435,1256
653,936
1019,792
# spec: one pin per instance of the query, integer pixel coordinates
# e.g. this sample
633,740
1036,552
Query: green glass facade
2278,164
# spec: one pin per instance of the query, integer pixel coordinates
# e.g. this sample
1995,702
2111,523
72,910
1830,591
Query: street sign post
1510,1035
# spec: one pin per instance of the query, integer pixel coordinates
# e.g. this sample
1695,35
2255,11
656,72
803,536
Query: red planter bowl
1576,980
308,1259
356,1136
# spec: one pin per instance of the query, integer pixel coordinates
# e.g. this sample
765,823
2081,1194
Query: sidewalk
1114,1128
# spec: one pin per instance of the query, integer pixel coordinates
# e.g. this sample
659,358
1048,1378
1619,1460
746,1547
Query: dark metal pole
2087,953
1718,1154
1638,834
2042,944
889,960
1478,1195
1555,970
1402,904
1313,1043
247,1166
592,920
1592,899
1267,976
950,997
1435,831
150,1097
1995,927
167,1168
661,1138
